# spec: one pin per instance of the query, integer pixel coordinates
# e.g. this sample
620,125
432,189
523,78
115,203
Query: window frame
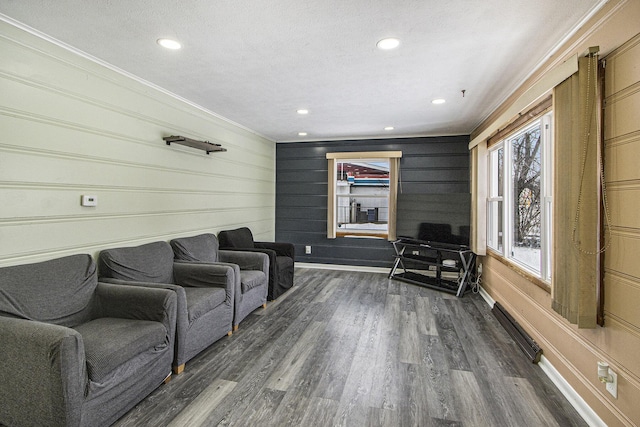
393,157
545,122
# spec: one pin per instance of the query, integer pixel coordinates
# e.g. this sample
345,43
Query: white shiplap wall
70,126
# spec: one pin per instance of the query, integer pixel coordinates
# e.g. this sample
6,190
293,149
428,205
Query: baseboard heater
526,343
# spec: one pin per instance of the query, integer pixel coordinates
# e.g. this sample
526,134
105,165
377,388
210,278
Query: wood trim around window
394,170
365,155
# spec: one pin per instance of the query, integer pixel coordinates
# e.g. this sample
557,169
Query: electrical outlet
612,387
307,249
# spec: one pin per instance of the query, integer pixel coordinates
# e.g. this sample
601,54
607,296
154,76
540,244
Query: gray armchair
205,293
76,352
252,270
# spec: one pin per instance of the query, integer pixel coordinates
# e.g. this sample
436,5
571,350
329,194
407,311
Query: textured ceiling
255,62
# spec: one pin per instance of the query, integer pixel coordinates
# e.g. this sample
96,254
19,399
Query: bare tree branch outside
526,187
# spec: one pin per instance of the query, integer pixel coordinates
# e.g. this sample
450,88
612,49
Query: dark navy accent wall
434,174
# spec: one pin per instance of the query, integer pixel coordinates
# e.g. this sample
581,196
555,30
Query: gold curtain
576,236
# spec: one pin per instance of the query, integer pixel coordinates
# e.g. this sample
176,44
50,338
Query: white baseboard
485,296
585,411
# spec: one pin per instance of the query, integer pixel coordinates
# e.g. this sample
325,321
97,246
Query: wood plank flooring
357,349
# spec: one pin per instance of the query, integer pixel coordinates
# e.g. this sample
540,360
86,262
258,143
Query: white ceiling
255,62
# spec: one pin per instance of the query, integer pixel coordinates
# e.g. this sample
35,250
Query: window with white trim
519,197
362,191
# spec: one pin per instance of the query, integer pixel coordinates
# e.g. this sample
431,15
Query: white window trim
546,196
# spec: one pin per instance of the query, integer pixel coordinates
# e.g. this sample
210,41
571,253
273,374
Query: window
362,194
519,197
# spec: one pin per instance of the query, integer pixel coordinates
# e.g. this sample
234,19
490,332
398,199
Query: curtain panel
577,195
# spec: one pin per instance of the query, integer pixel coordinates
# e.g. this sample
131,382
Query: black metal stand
444,257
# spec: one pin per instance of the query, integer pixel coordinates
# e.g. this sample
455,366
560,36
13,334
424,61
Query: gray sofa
205,292
76,352
251,268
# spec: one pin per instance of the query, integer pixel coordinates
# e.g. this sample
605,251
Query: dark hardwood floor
357,349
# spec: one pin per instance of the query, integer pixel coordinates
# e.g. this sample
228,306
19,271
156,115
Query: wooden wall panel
622,176
71,127
622,154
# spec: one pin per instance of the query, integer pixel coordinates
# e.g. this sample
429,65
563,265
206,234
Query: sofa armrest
281,248
43,374
246,260
141,303
202,274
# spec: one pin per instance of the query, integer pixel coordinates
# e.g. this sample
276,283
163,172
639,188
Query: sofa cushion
249,279
59,291
202,248
109,343
152,262
203,300
238,238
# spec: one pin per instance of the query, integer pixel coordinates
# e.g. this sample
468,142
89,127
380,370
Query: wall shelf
193,143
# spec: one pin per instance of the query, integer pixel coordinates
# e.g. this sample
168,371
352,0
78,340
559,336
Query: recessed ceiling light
438,101
169,44
388,43
389,128
302,134
303,111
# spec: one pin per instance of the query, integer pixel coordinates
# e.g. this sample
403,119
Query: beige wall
70,126
574,352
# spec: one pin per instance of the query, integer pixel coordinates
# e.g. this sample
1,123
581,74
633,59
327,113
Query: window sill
363,235
521,271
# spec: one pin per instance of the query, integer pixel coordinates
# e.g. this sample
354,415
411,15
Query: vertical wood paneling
72,127
622,138
434,175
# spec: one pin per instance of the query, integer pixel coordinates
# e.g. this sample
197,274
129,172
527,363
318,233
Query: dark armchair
76,352
205,293
251,270
281,257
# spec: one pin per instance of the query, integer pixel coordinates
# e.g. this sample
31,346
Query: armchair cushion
152,262
200,301
198,248
250,279
59,291
110,342
238,238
